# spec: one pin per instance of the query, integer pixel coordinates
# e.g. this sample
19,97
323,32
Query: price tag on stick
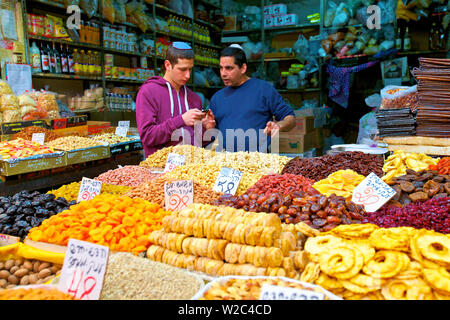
121,131
89,189
228,181
38,137
125,124
174,160
178,194
84,269
269,292
372,193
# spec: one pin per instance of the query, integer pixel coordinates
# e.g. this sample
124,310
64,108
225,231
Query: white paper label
122,131
89,189
174,160
269,292
84,269
228,181
178,194
38,137
124,124
372,193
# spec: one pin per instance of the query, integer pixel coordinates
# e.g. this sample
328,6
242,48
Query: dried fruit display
282,183
121,223
225,241
318,211
321,167
397,163
341,183
70,191
419,186
21,148
25,210
442,167
27,133
35,294
432,214
361,262
110,138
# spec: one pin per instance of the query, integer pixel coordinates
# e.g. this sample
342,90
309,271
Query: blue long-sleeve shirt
249,106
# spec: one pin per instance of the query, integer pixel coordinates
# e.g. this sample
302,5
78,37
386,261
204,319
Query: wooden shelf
65,77
272,29
126,53
65,42
298,90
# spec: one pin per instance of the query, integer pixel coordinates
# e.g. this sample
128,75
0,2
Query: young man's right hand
191,116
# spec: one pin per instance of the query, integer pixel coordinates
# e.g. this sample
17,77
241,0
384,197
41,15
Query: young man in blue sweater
248,111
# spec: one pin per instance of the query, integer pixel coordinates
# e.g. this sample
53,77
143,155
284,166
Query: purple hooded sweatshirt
159,113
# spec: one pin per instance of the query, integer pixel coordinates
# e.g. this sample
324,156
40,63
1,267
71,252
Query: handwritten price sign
269,292
89,189
372,193
121,131
38,137
228,181
125,124
178,194
174,160
84,269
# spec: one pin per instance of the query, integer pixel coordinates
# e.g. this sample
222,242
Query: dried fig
418,196
431,188
407,186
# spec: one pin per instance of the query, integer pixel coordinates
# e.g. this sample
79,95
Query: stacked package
433,115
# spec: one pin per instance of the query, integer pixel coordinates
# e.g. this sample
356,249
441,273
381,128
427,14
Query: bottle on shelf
51,57
84,64
58,67
70,61
406,41
64,61
90,63
45,60
77,63
398,40
35,58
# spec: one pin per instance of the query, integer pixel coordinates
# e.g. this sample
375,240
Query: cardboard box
295,143
290,19
278,21
230,23
124,147
304,125
97,126
32,164
67,122
268,10
82,130
279,8
268,21
87,154
14,127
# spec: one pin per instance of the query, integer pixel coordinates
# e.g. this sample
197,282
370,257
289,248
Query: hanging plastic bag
396,97
342,16
90,7
119,8
5,88
367,129
187,8
329,15
9,102
108,11
176,5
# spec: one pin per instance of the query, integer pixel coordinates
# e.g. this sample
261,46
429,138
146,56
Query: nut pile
398,162
34,294
341,183
249,289
70,143
21,271
206,175
133,278
433,214
70,191
110,138
318,211
24,210
419,186
27,133
282,183
20,148
153,191
321,167
130,176
364,261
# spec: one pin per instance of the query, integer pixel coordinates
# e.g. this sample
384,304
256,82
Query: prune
19,217
28,211
4,218
35,203
11,210
48,197
2,210
21,224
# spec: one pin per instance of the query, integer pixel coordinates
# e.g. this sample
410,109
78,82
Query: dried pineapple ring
311,272
435,247
395,290
364,246
342,262
438,279
362,283
328,282
413,271
351,231
386,264
392,238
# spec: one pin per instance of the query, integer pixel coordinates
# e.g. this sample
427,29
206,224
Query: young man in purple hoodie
166,110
